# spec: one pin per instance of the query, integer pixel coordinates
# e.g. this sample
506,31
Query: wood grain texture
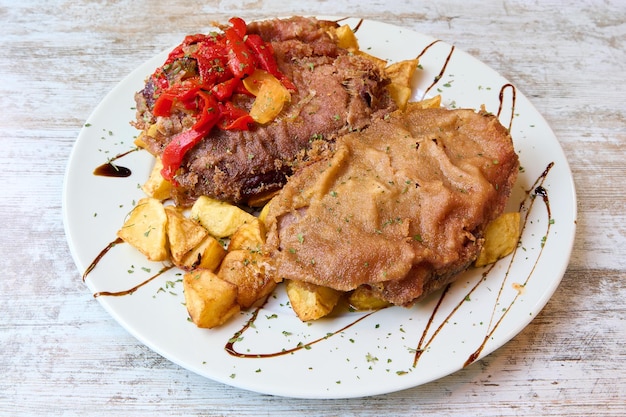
61,354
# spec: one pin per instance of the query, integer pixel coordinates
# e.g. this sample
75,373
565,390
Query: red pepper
240,58
180,144
209,111
223,91
234,118
179,51
239,25
183,92
264,53
175,151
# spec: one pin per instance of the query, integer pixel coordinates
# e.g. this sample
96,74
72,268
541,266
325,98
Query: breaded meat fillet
337,92
400,207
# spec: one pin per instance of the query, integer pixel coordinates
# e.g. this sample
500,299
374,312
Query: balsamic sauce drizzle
230,345
100,256
443,67
109,169
124,292
513,98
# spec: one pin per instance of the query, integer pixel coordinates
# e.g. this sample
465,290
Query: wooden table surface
62,354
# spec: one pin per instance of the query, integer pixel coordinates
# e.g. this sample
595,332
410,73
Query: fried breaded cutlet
400,207
336,92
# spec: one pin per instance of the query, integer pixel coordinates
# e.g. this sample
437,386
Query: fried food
501,238
219,218
145,229
310,301
210,300
401,207
336,91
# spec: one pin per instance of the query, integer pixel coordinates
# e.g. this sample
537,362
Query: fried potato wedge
246,270
219,218
207,255
428,103
210,301
156,186
183,234
501,237
401,76
264,211
363,298
145,229
346,38
249,236
309,301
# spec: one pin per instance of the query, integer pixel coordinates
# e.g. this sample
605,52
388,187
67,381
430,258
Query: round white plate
351,354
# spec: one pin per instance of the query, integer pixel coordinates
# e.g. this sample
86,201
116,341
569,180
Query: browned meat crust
337,93
400,207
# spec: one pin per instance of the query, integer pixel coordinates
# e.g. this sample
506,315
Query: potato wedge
156,186
246,270
309,301
401,77
219,218
264,211
402,72
145,229
210,301
183,234
249,236
501,238
363,298
428,103
207,255
346,38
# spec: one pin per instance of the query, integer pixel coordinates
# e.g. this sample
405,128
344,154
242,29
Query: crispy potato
249,236
246,270
183,234
139,141
264,211
309,301
501,238
363,298
401,77
145,229
157,186
402,72
207,255
429,103
346,38
210,301
219,218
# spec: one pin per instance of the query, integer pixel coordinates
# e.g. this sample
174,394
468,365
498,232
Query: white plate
375,353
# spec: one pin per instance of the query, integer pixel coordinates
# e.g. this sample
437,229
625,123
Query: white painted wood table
62,354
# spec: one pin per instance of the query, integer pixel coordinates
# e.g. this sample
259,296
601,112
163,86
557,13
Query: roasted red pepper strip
223,91
239,25
264,54
209,111
182,143
183,92
233,118
179,51
175,151
240,59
